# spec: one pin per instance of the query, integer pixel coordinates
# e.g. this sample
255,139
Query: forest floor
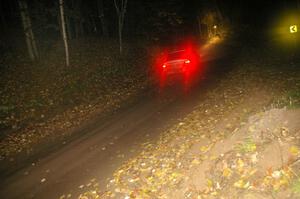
242,141
45,100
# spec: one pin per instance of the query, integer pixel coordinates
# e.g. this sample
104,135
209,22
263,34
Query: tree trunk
78,20
120,35
199,27
121,10
64,34
102,18
29,37
3,21
59,23
78,27
32,39
69,30
92,26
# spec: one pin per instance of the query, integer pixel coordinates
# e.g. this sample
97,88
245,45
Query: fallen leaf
81,186
294,150
254,158
210,183
227,172
195,161
276,174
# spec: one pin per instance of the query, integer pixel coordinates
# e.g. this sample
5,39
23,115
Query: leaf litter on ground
230,164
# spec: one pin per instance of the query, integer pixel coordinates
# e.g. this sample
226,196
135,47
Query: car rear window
175,55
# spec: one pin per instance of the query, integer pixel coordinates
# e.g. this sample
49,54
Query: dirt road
107,143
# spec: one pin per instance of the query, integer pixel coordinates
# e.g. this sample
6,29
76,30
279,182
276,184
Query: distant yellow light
293,29
215,26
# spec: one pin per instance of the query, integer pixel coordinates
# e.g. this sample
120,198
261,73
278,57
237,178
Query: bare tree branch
121,10
117,7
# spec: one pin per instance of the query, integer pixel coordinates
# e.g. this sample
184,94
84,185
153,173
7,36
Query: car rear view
177,62
182,63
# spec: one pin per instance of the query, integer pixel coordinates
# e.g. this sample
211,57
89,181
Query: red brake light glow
164,66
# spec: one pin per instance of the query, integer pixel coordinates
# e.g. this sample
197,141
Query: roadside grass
294,97
296,186
290,98
277,65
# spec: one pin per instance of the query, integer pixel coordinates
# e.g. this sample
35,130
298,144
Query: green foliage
296,186
247,146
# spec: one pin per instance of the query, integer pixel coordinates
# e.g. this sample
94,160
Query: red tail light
164,66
